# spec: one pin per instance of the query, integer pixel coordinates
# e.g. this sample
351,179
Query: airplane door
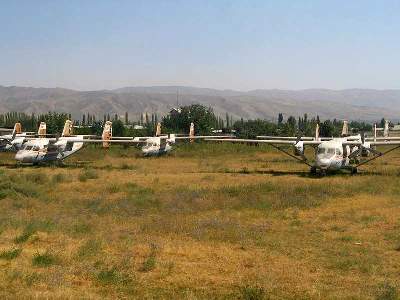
163,143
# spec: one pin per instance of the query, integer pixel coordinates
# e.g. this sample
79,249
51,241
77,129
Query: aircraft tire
313,170
354,170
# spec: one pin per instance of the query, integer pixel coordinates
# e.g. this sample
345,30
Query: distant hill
355,104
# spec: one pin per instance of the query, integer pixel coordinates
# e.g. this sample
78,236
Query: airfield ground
207,221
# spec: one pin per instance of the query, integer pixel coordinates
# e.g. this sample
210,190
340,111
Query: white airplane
161,144
14,141
330,153
44,150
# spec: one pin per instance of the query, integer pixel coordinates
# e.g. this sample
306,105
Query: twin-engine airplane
345,152
43,150
14,141
161,144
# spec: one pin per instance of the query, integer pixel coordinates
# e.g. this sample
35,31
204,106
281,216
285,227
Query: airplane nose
19,156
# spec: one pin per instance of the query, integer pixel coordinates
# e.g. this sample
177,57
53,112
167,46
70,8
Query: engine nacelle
299,149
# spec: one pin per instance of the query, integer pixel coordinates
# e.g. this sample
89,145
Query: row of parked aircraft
41,148
347,152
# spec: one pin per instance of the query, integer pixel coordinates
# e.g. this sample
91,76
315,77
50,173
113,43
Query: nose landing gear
354,170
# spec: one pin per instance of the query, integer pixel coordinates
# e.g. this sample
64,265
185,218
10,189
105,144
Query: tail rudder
67,131
107,134
42,129
17,129
386,129
158,129
317,132
345,128
191,132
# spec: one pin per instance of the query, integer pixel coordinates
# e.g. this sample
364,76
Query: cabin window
28,148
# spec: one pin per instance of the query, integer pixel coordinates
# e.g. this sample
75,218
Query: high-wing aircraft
346,152
14,141
43,149
161,144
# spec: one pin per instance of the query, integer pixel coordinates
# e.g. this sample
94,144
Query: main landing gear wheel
354,170
313,171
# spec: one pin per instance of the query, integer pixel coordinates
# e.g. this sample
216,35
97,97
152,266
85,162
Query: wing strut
304,160
377,154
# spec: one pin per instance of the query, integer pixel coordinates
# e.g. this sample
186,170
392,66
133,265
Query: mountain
355,104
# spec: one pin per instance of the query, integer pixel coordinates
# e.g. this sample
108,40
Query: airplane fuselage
334,154
42,150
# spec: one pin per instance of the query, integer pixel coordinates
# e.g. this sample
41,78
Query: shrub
25,235
10,254
44,260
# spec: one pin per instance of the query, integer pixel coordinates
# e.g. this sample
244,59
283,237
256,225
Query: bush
25,235
44,260
10,254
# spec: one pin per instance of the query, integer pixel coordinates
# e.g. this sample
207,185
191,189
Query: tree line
178,121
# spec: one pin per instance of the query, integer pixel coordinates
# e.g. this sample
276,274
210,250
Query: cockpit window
28,148
35,148
321,150
331,151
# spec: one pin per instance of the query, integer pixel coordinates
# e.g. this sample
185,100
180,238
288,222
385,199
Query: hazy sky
220,44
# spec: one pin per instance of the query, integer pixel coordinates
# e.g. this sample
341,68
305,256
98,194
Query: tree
118,128
290,126
202,117
327,129
280,119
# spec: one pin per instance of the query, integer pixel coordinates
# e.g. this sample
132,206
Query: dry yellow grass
205,222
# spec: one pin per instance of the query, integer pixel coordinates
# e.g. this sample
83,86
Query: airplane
14,141
45,150
161,144
331,154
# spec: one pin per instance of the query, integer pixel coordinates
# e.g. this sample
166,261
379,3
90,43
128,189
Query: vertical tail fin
345,129
42,129
67,131
191,132
158,129
386,129
107,134
317,132
17,129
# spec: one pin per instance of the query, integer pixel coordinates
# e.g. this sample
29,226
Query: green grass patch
44,259
10,254
252,293
88,174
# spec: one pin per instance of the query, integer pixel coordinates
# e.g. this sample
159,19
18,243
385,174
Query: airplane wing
294,138
273,141
203,137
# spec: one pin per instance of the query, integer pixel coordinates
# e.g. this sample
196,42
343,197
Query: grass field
206,222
